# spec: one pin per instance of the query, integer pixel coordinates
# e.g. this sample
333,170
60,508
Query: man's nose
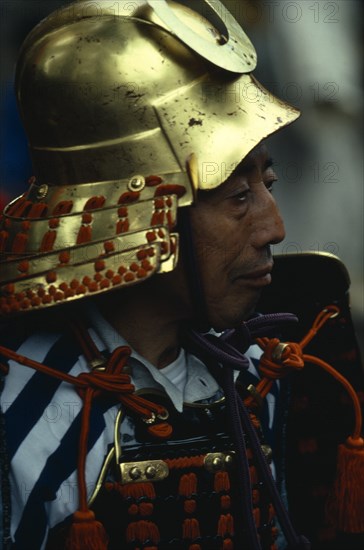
271,226
278,229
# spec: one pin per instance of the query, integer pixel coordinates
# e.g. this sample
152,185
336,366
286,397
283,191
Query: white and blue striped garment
43,418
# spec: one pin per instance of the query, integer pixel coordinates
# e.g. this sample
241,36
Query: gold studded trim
148,470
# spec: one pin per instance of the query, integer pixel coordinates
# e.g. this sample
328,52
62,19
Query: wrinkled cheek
206,254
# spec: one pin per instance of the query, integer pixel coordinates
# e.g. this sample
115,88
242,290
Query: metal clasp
214,462
146,470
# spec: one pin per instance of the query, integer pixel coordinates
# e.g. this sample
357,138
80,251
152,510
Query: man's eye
242,196
270,185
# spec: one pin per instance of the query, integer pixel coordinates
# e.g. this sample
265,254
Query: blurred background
309,54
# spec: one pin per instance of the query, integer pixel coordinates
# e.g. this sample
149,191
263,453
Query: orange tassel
86,532
345,507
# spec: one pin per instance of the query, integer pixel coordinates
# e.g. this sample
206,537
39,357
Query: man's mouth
259,277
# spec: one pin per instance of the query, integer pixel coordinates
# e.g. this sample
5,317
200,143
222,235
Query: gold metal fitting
97,364
214,462
42,191
136,183
333,315
268,453
255,394
164,415
161,416
278,351
150,420
148,470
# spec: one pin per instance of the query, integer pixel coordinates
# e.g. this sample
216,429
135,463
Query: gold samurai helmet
129,110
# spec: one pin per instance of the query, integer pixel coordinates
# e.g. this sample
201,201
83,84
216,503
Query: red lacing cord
292,357
345,504
110,380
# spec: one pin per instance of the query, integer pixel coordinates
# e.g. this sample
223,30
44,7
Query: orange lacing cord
141,529
187,488
85,531
185,462
346,502
292,357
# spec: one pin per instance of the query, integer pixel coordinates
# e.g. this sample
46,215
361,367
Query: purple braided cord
294,540
261,325
222,351
230,346
219,349
243,480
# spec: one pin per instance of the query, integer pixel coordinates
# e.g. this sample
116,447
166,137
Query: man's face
233,227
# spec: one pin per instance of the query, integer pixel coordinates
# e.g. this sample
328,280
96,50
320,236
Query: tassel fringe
345,507
86,533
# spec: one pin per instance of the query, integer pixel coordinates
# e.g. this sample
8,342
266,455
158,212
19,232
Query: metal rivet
42,191
229,460
221,40
217,463
135,473
136,183
268,453
150,472
163,415
150,420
